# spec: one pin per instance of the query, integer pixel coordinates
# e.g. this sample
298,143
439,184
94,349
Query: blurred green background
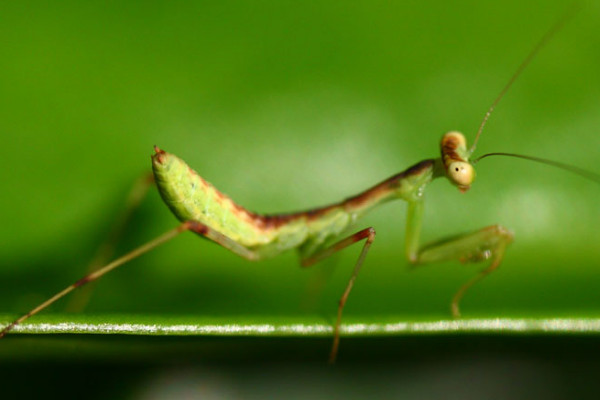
287,106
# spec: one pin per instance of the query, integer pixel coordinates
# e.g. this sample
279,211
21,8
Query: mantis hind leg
488,243
106,250
369,235
192,226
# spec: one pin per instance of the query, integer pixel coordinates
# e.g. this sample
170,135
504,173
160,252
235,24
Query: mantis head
455,158
455,155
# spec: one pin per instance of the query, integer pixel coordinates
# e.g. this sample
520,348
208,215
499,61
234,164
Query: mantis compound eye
462,174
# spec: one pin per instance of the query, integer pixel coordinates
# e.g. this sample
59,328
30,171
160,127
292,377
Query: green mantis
318,233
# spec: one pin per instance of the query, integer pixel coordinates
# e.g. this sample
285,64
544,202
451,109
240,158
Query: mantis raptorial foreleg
488,243
369,235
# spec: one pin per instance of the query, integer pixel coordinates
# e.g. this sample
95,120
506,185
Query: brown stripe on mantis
358,201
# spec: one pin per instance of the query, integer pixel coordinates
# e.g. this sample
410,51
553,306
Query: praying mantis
319,233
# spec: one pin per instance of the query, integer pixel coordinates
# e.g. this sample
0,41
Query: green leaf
287,108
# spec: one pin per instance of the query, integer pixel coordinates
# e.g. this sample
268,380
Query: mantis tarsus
205,211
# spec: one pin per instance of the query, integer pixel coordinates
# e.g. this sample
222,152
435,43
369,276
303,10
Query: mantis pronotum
316,233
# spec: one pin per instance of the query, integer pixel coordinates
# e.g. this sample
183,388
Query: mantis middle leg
488,243
369,235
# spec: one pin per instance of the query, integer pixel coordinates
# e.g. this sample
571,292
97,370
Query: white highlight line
553,325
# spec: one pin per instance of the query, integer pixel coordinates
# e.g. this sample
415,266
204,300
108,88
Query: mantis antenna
545,39
592,176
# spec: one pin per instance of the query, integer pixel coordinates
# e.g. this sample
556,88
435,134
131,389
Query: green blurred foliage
288,106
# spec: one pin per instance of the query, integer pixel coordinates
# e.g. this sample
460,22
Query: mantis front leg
488,243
